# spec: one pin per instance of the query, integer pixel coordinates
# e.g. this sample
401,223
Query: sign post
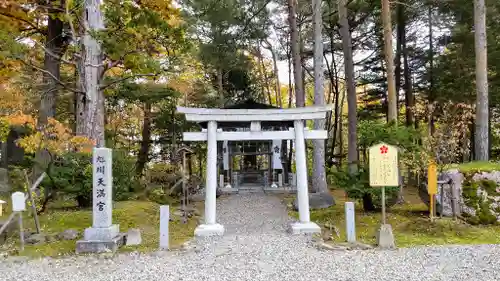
432,187
383,173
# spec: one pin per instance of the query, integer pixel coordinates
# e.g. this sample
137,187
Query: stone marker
103,236
221,181
19,205
280,180
164,220
18,202
133,237
385,238
350,222
235,180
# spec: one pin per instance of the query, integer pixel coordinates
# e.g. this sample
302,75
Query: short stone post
103,236
266,179
221,181
235,180
280,180
350,223
164,221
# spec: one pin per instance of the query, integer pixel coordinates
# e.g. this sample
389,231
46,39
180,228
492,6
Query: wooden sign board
383,165
432,178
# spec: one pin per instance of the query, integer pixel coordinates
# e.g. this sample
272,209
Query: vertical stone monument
164,221
103,236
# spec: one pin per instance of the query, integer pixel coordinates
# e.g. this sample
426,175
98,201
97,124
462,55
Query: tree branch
34,26
47,51
50,74
126,78
247,24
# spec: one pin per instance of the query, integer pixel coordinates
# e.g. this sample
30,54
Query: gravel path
256,247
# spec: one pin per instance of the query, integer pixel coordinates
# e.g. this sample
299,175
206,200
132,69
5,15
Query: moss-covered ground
410,222
144,215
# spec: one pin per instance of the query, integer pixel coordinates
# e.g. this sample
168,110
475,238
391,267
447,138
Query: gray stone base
110,246
280,190
229,190
205,230
385,238
101,233
304,228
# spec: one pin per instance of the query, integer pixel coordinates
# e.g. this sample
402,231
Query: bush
162,174
71,174
124,180
357,187
410,155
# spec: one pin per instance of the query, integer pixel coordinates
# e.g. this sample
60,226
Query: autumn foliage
56,137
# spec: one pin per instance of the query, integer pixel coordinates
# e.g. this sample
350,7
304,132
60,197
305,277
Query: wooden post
32,201
383,205
21,231
432,187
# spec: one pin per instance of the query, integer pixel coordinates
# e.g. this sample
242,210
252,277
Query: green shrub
161,174
124,180
159,196
71,174
357,187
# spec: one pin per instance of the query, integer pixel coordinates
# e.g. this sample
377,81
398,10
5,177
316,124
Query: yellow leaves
21,119
56,137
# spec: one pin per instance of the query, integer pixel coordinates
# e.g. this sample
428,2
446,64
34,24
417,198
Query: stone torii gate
254,116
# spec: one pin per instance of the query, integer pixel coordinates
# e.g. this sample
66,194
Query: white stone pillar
304,225
211,176
210,227
301,167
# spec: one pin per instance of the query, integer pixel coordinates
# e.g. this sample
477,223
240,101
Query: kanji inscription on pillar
102,187
383,160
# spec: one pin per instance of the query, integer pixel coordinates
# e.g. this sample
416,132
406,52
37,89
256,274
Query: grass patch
144,215
475,166
410,222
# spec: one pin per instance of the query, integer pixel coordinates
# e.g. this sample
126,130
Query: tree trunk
220,87
408,87
319,173
55,46
295,45
482,107
399,42
143,156
264,77
279,101
80,96
352,143
94,98
432,127
392,112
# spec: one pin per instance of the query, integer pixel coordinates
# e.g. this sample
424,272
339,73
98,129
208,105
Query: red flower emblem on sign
384,149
